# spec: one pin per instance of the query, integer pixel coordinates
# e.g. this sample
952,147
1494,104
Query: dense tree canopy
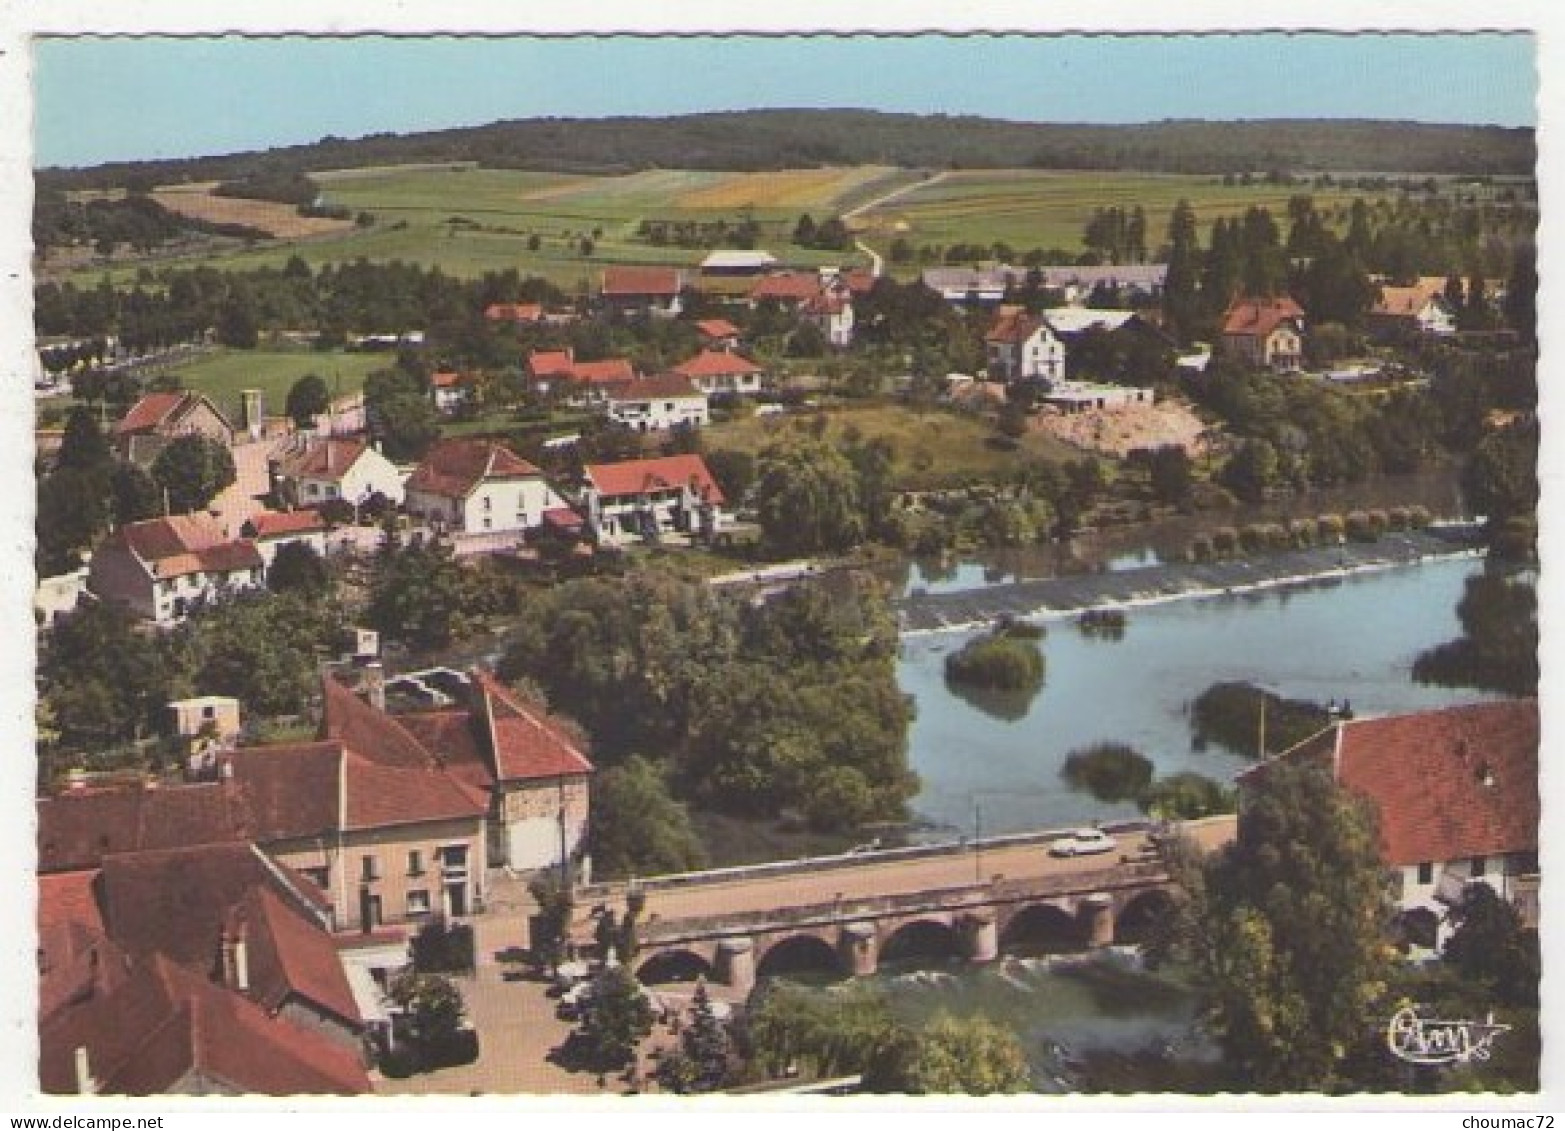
1288,935
638,828
191,470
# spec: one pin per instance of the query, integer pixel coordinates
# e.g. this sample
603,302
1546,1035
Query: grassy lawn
224,374
931,449
1027,208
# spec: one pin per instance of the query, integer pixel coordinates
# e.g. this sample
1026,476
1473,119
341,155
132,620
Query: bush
1378,522
1301,532
1201,548
1225,540
1110,771
1418,517
997,661
443,948
1230,714
1358,527
1185,796
1397,517
1330,527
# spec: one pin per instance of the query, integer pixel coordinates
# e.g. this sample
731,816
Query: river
994,765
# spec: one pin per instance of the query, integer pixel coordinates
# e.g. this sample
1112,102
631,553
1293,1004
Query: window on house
320,877
488,503
415,862
1426,873
418,903
209,712
1477,869
369,868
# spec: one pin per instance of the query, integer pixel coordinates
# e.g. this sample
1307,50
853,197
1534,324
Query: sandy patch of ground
1118,431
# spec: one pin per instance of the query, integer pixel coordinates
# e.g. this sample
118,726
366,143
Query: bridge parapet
814,864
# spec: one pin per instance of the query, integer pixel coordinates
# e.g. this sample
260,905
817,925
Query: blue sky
122,99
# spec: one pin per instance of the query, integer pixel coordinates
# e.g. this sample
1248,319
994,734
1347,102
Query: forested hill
776,139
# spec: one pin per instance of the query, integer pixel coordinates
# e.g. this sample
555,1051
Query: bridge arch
921,939
799,954
1143,914
674,966
1042,928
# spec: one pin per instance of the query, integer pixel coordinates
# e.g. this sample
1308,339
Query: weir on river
934,612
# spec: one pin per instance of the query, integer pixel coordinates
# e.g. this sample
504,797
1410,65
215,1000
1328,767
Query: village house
718,334
1130,280
1405,313
1265,333
645,500
642,292
1085,396
657,404
163,569
1457,794
272,530
196,969
450,391
1020,347
478,487
716,371
584,382
158,418
831,311
309,471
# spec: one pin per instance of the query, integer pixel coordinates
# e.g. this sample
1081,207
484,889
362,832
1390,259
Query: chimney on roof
85,1084
375,684
241,963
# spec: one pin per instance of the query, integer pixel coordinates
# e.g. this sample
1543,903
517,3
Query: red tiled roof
636,281
380,796
786,286
74,963
327,460
181,544
529,743
79,828
456,468
564,518
716,363
70,897
825,303
368,731
289,790
662,385
1404,302
717,328
549,363
1012,327
278,524
1426,772
604,372
448,733
166,1023
637,476
860,281
514,312
448,380
1250,317
291,957
147,413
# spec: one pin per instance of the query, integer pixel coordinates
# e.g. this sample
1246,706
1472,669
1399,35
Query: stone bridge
844,915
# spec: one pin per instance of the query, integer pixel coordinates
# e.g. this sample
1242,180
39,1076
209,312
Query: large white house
1457,795
312,470
478,487
721,371
165,568
643,500
1019,347
657,404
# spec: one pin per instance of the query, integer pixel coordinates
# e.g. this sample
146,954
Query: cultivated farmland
281,220
1028,209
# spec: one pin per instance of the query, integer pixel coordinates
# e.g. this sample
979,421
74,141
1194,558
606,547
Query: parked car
1082,842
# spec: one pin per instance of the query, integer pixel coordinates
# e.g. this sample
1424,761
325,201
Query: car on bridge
1082,842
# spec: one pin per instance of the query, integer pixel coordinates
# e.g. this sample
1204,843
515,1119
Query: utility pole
978,841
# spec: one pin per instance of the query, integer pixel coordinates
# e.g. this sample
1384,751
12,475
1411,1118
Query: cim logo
1427,1040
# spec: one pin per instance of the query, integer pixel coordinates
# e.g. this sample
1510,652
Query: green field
931,449
223,375
469,220
1035,209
